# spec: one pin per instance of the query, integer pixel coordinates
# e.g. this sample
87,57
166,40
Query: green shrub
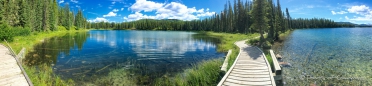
6,32
20,31
254,41
61,28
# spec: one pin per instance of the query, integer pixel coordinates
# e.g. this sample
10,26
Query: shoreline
227,40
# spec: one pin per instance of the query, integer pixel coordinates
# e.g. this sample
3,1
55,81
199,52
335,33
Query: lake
335,56
136,57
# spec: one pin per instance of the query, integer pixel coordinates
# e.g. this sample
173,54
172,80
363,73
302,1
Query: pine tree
271,18
53,15
288,18
24,11
260,18
1,11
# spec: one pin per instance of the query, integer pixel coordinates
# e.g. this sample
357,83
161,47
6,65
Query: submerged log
103,68
285,64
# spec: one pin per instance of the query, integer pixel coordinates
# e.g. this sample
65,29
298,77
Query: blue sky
355,11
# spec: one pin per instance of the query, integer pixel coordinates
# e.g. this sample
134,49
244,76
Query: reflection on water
339,56
145,55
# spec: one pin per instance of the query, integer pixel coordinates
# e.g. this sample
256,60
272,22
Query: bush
6,32
254,41
20,31
61,28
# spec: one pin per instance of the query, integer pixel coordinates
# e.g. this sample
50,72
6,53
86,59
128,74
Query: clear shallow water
84,57
338,56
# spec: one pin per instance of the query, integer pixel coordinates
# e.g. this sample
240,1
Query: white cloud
143,5
115,10
364,11
110,14
74,1
98,19
122,9
61,1
347,18
77,6
113,2
341,12
173,10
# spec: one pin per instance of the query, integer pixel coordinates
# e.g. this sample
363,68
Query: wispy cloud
74,1
98,19
61,1
341,12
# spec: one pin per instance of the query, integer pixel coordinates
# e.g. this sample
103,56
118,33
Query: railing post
277,68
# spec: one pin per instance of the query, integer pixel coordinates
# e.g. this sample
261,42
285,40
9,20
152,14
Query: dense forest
21,17
263,16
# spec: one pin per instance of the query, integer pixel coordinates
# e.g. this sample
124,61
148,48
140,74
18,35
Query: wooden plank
10,72
251,68
251,71
249,83
250,76
248,79
251,64
247,71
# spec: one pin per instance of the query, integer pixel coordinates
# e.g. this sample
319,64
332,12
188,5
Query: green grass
41,75
29,41
207,73
116,77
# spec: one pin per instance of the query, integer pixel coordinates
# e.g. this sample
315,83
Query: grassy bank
30,40
41,75
207,72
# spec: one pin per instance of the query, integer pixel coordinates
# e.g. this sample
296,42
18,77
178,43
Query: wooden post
277,68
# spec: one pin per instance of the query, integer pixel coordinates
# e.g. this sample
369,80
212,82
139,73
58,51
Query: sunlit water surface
87,57
338,56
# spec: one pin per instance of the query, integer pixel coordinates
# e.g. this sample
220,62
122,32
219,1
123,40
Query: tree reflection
48,51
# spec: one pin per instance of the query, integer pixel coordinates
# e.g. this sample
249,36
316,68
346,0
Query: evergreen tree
260,18
24,18
1,11
53,15
271,17
288,18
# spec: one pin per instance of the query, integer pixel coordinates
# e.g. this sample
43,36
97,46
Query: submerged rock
278,56
285,64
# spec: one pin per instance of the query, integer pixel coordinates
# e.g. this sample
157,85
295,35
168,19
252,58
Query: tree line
257,16
21,17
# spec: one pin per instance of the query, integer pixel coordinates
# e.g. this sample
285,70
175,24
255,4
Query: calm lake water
140,56
338,56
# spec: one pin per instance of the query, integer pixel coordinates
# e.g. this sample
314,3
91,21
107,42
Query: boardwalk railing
277,68
226,62
16,57
268,64
247,70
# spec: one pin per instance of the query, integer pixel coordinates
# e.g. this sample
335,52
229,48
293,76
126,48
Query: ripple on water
339,56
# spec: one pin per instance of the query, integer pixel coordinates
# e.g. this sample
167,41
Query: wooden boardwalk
10,73
249,69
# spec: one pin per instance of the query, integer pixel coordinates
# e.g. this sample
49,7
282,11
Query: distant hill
345,23
364,25
356,25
